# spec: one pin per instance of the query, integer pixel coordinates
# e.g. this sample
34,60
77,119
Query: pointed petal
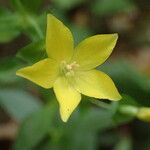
93,51
43,73
59,40
67,96
96,84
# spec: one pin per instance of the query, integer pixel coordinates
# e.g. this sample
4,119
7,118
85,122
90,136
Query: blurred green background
29,117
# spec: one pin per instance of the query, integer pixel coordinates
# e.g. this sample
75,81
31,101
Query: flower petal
96,84
59,40
43,73
67,96
93,51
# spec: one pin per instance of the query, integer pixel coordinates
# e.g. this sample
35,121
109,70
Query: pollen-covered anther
72,66
69,69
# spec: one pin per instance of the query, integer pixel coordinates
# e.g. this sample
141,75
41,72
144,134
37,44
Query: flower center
69,69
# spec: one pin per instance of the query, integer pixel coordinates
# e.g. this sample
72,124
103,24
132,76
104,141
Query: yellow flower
70,71
144,114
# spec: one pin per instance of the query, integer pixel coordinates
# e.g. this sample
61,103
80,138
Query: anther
68,69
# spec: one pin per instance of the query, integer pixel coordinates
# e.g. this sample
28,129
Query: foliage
95,124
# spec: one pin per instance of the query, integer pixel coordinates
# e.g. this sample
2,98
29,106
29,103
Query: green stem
36,26
100,104
29,19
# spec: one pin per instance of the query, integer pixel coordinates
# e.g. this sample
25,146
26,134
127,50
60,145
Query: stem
100,103
36,26
29,19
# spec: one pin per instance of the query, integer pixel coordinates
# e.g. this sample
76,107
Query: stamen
69,69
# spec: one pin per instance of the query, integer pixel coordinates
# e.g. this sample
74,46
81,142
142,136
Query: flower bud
144,113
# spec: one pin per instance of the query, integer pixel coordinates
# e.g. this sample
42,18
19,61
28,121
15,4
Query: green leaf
19,104
128,100
129,81
9,25
42,22
29,21
67,4
34,129
31,25
25,5
101,118
79,140
80,33
108,7
33,52
8,35
8,68
70,134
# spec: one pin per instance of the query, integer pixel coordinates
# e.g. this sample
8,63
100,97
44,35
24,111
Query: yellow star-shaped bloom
70,71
